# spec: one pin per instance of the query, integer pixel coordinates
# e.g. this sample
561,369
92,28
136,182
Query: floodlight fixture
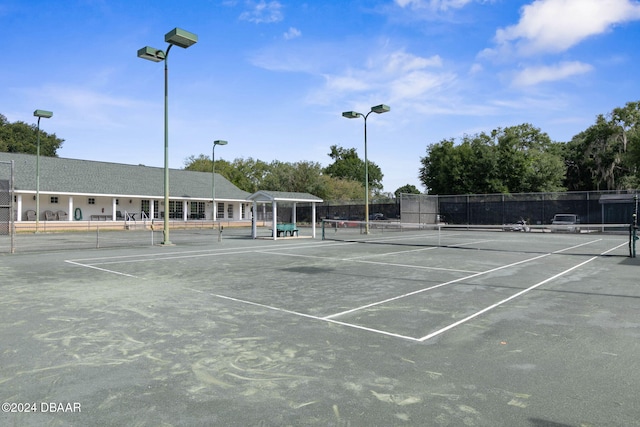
213,181
378,109
381,109
183,39
46,115
43,114
351,114
151,53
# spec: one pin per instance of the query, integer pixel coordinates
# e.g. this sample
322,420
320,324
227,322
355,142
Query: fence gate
419,208
7,210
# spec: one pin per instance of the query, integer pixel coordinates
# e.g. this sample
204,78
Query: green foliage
347,165
512,160
20,137
406,189
606,156
343,189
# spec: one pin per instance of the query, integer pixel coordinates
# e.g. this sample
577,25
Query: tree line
343,179
517,159
523,159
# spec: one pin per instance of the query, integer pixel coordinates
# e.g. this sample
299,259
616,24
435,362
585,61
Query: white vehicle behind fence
565,223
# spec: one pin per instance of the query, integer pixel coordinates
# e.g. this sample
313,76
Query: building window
54,200
230,211
145,206
91,201
243,211
175,209
220,211
197,210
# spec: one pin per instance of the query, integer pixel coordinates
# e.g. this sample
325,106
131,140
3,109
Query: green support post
633,230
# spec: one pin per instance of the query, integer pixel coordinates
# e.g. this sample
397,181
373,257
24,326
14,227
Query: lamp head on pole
381,109
351,114
151,54
181,38
219,142
43,114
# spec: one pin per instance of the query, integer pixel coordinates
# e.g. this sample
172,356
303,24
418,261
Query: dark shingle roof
71,176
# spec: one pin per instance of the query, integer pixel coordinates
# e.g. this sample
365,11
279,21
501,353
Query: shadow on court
304,332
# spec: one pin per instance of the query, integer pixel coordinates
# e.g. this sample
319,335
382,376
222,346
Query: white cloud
263,12
534,75
416,84
347,83
393,76
401,61
292,33
557,25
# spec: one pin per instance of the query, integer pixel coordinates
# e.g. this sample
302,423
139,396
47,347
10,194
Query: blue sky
273,77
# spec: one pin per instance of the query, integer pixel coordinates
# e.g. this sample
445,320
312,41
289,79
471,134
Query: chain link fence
592,207
7,210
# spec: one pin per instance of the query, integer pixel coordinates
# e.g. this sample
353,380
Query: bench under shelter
273,198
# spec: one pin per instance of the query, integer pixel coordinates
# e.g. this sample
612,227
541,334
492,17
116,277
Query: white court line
308,316
150,257
454,281
373,304
354,260
408,266
433,334
524,291
100,269
393,253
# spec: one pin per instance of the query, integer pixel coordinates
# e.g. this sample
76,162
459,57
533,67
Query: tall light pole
47,115
378,109
183,39
213,177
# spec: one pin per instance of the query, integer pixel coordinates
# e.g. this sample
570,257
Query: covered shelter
274,197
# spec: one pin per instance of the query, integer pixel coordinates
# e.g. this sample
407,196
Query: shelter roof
266,196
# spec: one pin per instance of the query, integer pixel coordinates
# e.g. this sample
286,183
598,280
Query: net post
323,223
633,230
12,219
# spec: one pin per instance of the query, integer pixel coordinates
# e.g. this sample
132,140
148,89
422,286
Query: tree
246,174
301,177
342,189
19,137
347,165
511,160
606,156
528,162
406,189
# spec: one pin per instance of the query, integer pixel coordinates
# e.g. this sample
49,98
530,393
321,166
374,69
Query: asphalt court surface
514,329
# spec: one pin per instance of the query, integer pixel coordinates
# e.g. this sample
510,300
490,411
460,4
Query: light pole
213,178
47,115
183,39
378,109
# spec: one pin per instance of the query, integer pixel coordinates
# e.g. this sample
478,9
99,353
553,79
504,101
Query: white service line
100,269
308,316
373,304
516,295
433,334
354,260
453,281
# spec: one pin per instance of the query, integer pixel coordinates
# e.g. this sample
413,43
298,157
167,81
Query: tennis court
463,328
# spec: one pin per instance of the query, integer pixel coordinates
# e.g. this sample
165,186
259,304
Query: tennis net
579,239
